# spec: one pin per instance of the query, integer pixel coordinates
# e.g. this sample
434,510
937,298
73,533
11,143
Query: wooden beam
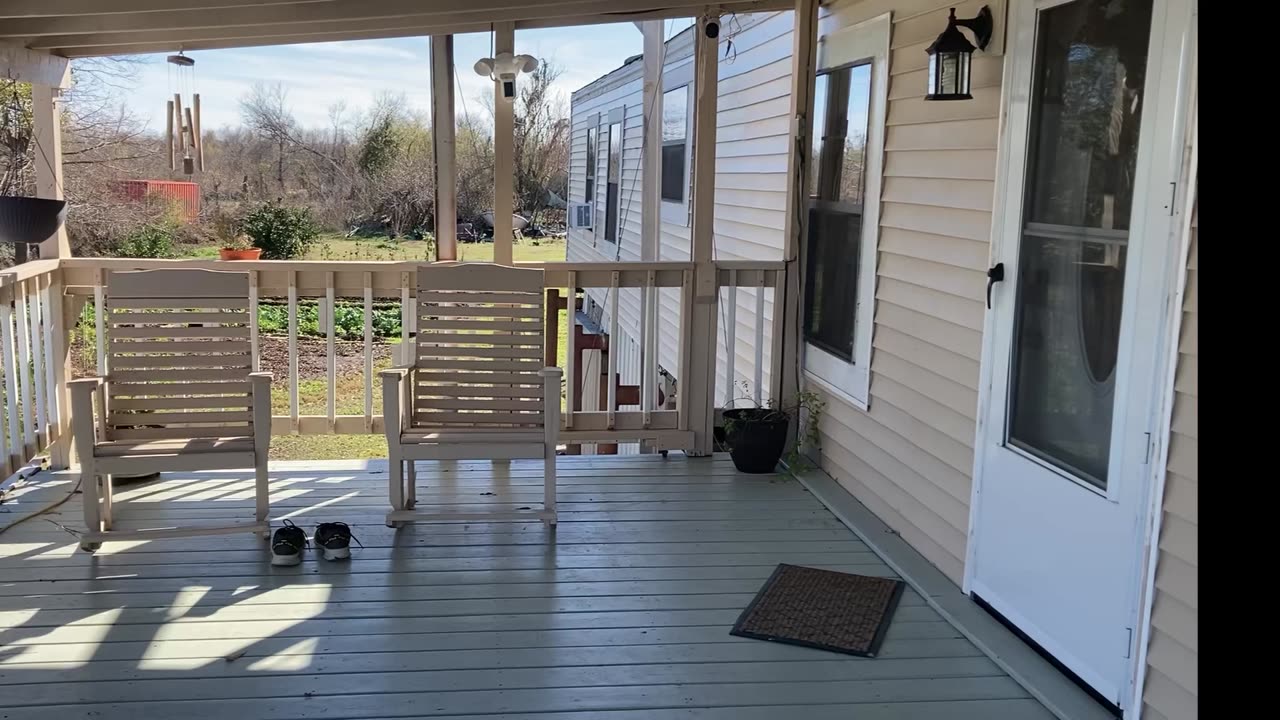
37,68
504,123
698,389
283,14
785,357
42,8
97,35
293,39
444,152
46,120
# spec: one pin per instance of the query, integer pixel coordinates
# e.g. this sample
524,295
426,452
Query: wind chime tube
169,134
188,160
182,135
195,132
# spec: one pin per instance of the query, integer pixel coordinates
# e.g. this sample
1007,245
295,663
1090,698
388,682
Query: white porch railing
39,302
365,285
32,346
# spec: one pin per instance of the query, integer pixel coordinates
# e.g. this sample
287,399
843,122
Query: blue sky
320,74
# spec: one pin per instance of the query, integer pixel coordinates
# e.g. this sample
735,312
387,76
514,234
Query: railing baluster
7,348
368,352
648,348
611,396
571,354
255,352
331,352
51,323
37,362
406,345
759,378
23,339
731,339
100,321
686,322
293,351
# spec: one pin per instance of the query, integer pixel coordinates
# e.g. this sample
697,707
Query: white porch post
504,123
651,204
786,308
46,117
697,390
443,148
651,172
46,120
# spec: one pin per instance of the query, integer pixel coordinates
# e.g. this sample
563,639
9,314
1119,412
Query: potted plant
757,436
239,248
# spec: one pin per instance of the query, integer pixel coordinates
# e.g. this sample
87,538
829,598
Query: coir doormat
823,609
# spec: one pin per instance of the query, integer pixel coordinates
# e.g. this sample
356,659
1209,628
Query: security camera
713,29
504,70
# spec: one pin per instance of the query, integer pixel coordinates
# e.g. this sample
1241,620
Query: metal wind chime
183,135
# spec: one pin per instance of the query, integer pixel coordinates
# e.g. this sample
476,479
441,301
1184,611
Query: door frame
1171,15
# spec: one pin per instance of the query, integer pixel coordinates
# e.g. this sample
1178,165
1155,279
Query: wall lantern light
951,56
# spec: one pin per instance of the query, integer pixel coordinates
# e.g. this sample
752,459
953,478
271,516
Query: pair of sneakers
332,538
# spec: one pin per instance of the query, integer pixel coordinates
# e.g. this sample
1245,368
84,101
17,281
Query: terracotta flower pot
235,254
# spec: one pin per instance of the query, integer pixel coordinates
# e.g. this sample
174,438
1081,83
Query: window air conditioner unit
580,215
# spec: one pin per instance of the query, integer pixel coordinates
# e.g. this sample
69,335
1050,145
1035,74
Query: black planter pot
756,438
26,220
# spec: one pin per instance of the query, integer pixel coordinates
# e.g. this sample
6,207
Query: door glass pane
1086,111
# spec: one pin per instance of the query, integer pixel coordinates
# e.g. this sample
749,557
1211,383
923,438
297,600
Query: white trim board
1188,191
1046,684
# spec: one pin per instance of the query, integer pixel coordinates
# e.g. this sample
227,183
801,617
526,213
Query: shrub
149,241
282,232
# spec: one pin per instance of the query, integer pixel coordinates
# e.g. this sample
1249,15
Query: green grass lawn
332,246
337,247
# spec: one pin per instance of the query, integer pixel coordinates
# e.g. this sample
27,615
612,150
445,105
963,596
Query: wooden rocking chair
476,388
180,393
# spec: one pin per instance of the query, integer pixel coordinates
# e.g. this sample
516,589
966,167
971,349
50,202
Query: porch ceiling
83,28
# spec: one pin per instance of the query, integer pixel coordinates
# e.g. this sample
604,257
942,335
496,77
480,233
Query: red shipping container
186,193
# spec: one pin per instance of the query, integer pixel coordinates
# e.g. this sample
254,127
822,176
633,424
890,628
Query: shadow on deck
621,612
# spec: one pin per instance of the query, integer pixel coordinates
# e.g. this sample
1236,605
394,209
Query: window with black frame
590,194
842,99
675,142
612,182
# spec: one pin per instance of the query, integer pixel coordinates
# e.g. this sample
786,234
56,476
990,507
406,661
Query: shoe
287,544
334,540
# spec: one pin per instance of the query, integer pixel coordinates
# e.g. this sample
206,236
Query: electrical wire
46,508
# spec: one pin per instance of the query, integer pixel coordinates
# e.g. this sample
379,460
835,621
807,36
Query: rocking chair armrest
86,384
551,402
260,389
401,369
397,402
85,394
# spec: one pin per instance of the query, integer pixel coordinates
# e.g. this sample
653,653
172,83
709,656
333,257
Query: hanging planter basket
26,220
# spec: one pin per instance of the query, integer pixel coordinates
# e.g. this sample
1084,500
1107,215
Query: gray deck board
621,613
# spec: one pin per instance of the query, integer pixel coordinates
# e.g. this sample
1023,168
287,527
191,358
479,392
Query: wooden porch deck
623,613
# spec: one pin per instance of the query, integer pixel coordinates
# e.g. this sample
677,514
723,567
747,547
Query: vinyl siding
752,137
909,458
1173,682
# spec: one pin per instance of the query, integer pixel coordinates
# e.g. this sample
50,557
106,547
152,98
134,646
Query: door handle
994,275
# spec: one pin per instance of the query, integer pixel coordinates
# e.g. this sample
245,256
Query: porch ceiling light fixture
951,56
504,69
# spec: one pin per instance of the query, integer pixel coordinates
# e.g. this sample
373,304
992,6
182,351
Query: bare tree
541,141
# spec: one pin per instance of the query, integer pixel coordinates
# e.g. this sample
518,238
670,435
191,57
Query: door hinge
1128,643
1147,460
1173,196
